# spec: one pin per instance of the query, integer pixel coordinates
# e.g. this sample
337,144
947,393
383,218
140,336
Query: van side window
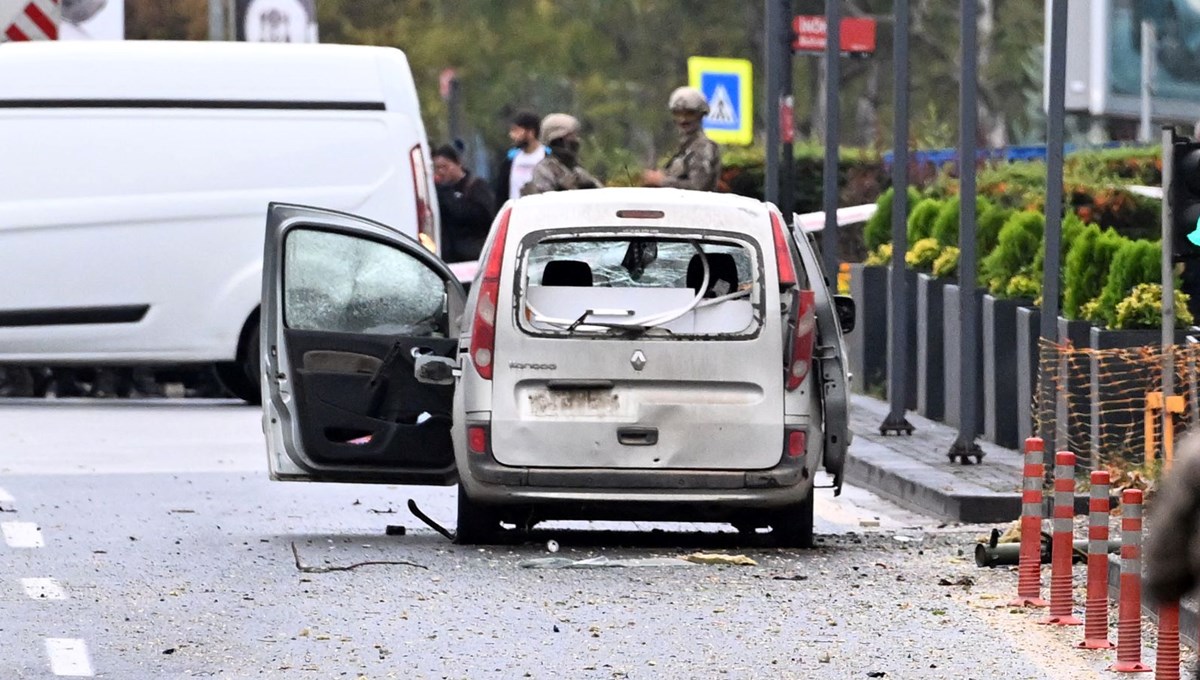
333,282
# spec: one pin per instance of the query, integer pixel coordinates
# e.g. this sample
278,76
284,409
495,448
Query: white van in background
136,176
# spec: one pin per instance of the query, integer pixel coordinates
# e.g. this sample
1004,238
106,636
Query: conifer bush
945,225
878,229
1087,267
1015,252
1135,263
920,220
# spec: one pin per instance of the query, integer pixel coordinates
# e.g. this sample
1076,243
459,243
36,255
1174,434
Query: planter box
909,356
930,382
951,352
1073,389
1117,392
999,344
1029,320
867,345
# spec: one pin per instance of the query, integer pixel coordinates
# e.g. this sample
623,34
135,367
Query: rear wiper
598,312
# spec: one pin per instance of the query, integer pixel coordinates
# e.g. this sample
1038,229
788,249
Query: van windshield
642,285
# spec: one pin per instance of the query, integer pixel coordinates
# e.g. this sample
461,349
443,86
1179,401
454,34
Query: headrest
721,268
567,273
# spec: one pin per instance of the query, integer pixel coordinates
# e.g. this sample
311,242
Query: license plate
574,403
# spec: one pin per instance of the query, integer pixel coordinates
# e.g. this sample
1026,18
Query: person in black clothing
466,203
527,151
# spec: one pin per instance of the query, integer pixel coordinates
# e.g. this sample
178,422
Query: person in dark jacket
466,205
1172,559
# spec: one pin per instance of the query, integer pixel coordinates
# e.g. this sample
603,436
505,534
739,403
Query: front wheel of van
477,524
792,525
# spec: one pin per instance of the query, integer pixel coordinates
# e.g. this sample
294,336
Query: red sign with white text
857,34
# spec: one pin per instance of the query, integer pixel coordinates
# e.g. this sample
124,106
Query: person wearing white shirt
520,160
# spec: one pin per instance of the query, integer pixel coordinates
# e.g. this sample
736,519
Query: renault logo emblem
638,360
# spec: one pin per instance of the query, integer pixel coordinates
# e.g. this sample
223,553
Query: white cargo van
136,177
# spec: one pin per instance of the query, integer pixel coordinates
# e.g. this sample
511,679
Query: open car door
348,305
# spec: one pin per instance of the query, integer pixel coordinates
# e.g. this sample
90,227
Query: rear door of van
641,347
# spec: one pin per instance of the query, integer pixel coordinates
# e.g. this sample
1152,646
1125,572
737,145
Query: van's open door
348,305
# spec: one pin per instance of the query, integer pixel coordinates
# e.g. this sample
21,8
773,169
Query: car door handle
637,436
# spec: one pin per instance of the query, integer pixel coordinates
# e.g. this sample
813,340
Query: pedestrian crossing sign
726,84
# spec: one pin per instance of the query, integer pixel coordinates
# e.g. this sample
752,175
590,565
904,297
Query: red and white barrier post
1129,609
1095,612
1062,543
1167,658
1029,568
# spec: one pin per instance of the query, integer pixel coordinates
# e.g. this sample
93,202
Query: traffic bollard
1095,611
1166,660
1129,608
1061,601
1029,568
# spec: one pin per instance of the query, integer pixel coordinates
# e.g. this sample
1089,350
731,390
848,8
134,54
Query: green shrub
1136,263
878,229
1016,249
920,219
1023,286
1086,267
946,264
880,257
1142,308
987,230
945,226
1090,312
923,254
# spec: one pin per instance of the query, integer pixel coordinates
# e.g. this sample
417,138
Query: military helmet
558,125
687,99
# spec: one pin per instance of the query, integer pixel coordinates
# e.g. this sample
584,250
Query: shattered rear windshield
655,286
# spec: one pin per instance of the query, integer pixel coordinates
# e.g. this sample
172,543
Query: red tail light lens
802,344
797,443
783,254
420,175
483,328
477,439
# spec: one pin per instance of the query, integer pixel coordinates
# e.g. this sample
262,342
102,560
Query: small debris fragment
395,530
789,577
823,657
960,581
552,545
720,558
169,650
877,674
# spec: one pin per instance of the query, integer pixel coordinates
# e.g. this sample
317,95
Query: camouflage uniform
697,164
552,174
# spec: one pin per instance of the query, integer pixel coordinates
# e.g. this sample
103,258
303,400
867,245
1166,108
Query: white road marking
43,589
22,534
69,657
6,497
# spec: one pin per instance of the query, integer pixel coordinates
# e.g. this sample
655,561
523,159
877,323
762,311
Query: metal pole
787,163
899,353
772,78
1144,132
1052,265
833,48
216,19
1168,276
965,446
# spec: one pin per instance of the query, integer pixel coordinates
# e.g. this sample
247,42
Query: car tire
792,525
233,378
477,524
243,377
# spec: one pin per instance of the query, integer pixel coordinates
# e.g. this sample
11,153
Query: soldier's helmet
558,125
687,99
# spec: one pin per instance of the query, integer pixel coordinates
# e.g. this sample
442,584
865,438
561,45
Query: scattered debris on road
420,514
720,558
326,569
601,563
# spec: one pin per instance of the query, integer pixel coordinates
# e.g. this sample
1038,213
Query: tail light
477,439
802,343
797,443
420,174
783,254
483,328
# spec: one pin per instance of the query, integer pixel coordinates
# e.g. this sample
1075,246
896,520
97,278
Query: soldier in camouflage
560,171
697,163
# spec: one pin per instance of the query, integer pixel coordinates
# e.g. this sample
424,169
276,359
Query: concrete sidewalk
915,470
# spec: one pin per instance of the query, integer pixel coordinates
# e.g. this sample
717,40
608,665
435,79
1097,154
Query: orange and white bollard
1129,609
1167,658
1062,543
1029,568
1095,611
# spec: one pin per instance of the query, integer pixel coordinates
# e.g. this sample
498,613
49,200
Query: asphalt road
145,541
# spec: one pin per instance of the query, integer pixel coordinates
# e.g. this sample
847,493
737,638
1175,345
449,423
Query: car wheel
477,524
233,378
243,378
792,525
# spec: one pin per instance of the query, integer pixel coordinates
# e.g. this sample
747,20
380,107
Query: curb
1189,617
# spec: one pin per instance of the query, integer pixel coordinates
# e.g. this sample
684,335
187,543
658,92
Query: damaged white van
628,354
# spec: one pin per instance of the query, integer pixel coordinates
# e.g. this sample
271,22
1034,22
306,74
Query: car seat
721,268
567,273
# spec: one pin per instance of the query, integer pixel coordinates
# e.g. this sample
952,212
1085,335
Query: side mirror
845,307
431,369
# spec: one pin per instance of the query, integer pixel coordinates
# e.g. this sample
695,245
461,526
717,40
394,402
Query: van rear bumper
485,469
